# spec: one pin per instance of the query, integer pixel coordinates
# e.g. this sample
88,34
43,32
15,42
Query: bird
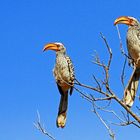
64,75
133,47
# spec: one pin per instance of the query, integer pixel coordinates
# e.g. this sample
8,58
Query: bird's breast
62,73
133,44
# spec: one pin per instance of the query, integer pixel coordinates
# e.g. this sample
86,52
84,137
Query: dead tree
103,96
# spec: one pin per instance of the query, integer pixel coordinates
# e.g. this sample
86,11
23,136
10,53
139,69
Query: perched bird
133,46
64,76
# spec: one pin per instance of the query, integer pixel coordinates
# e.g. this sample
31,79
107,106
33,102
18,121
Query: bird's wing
60,89
131,88
71,90
71,73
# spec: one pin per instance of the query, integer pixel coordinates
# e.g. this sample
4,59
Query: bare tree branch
41,128
121,45
97,82
103,96
111,133
123,71
109,50
106,94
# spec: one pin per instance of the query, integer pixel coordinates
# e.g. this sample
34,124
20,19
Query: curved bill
51,46
123,20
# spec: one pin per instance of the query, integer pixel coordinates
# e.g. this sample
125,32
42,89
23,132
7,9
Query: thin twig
127,109
108,48
126,124
109,93
121,45
97,82
122,75
111,133
115,114
41,127
103,99
83,95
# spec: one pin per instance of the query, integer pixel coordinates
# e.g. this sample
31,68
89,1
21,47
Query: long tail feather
61,118
131,89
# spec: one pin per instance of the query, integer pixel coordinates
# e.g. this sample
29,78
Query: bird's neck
60,53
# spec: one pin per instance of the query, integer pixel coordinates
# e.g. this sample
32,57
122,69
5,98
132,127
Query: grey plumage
64,76
133,46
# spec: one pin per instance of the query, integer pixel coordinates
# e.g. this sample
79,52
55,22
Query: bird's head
130,21
58,47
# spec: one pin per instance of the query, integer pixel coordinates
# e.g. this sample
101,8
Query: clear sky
26,80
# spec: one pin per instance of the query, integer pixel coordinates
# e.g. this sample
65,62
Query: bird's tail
61,118
131,89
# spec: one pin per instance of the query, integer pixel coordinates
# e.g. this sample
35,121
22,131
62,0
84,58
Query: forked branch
41,128
103,89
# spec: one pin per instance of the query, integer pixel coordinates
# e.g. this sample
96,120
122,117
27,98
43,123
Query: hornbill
133,46
64,76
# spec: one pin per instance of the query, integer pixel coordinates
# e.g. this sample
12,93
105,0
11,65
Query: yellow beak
51,46
124,20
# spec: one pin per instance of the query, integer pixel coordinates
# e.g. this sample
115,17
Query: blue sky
27,83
